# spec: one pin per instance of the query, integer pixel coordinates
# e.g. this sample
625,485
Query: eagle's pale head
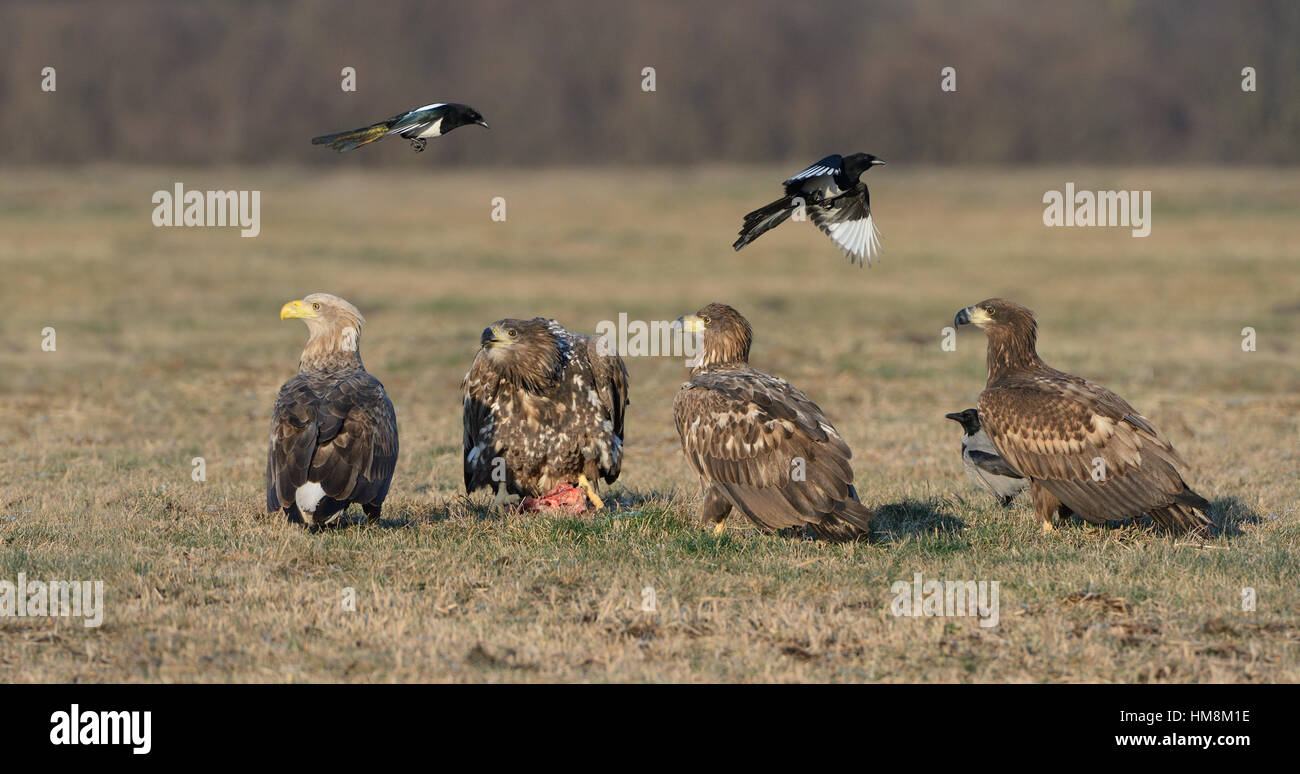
723,335
524,352
333,328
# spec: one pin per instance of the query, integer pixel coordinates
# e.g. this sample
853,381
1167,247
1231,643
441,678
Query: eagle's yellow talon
586,486
720,528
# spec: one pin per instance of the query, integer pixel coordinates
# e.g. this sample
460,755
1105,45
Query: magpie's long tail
764,219
346,141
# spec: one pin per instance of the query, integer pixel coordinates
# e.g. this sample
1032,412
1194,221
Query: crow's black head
968,419
855,164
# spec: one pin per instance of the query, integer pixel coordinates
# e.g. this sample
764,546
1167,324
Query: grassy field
169,348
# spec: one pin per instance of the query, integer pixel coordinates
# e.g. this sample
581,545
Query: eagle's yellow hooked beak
296,309
691,323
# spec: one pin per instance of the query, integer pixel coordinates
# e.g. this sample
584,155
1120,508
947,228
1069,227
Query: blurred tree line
561,82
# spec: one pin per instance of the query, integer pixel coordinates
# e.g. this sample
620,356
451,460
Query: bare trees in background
209,82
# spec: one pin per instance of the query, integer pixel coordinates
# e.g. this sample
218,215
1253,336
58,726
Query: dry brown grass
169,348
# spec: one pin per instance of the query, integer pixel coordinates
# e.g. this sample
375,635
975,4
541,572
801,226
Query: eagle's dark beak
488,337
963,317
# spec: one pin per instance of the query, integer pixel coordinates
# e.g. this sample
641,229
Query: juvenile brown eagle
333,430
759,445
1084,449
543,409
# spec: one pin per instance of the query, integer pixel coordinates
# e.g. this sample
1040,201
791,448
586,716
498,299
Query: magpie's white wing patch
851,227
416,120
827,166
431,129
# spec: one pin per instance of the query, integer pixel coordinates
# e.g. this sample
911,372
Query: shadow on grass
1230,514
629,500
481,508
913,517
402,518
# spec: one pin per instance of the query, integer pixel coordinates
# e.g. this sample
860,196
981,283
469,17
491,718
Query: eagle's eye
988,310
316,306
706,319
512,333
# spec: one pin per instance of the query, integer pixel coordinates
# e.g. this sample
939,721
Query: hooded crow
984,464
830,192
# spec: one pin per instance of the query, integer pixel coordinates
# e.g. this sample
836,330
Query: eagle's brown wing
610,375
1061,431
479,448
770,451
340,432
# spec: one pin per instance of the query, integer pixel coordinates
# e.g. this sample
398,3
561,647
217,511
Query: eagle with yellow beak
759,445
1085,450
333,429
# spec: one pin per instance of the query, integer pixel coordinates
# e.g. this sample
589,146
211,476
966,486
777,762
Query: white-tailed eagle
333,430
543,409
1084,449
759,445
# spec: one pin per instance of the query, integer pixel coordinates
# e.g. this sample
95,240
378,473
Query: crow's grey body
984,464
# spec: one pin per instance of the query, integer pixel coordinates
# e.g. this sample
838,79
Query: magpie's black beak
956,417
963,317
482,123
877,162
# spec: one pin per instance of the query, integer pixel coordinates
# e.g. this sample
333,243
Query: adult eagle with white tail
759,445
333,430
1084,449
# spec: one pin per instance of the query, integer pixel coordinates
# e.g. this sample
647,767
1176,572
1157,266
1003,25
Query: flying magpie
415,125
984,464
836,200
